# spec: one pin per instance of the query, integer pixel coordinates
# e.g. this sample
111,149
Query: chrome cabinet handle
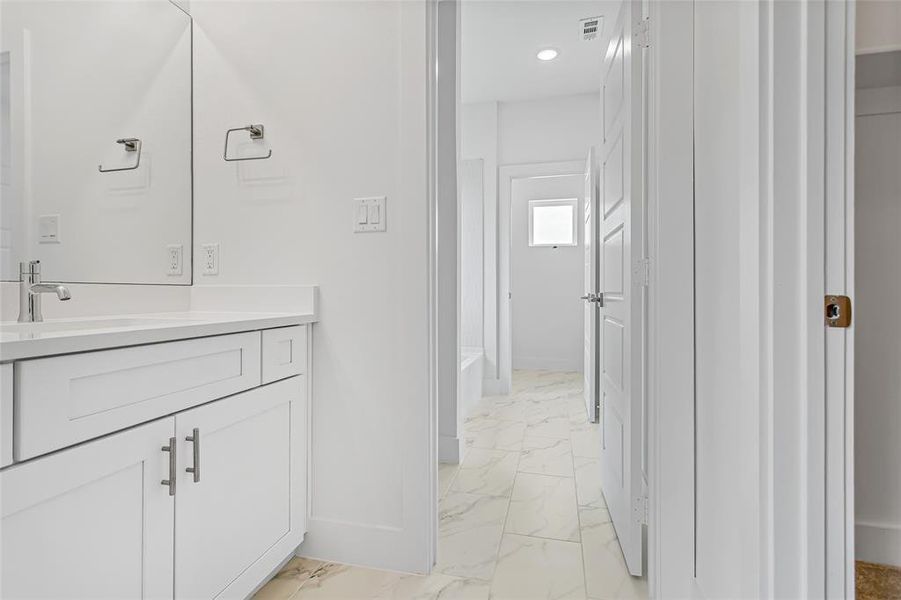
194,438
172,467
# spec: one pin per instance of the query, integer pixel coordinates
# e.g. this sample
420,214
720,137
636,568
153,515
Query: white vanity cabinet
92,521
249,501
204,501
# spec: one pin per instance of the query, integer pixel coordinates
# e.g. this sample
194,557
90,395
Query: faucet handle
31,267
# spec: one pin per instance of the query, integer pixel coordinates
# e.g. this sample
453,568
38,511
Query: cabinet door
93,521
245,512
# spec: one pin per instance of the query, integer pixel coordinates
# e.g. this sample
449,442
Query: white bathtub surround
513,524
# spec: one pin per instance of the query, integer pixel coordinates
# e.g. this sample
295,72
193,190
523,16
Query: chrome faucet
30,290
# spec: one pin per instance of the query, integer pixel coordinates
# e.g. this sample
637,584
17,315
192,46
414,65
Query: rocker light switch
362,215
369,214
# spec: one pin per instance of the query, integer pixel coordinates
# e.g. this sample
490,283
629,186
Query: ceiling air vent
589,28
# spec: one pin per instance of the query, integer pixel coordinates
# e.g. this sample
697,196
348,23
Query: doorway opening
543,479
877,353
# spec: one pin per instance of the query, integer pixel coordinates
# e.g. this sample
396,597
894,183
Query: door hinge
642,33
641,272
641,509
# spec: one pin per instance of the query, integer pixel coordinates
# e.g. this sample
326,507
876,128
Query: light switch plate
48,229
174,260
369,214
209,259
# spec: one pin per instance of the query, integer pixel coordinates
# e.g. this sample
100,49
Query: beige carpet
878,582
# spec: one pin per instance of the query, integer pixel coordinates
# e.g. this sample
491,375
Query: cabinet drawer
284,352
64,400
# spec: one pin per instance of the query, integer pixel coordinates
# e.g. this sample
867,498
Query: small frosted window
552,223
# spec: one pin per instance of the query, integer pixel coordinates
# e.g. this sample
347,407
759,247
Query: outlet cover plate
209,259
174,259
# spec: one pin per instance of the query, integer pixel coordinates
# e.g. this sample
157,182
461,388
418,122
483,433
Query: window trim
574,202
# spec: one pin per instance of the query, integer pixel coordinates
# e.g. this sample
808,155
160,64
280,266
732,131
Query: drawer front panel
284,352
68,399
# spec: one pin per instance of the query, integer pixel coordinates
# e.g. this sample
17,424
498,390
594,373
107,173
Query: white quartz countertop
20,341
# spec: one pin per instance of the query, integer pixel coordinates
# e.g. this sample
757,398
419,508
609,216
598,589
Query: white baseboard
450,449
878,542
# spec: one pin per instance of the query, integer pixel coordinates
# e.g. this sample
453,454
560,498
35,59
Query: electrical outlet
209,257
175,252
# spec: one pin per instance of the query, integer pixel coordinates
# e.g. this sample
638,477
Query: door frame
838,262
504,314
670,341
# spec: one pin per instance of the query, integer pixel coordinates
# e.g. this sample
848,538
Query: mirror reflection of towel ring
131,145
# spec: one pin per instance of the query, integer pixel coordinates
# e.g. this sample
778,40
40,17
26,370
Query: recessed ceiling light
547,54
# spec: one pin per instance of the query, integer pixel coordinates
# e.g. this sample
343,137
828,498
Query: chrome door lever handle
592,297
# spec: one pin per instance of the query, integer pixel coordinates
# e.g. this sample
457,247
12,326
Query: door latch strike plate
837,311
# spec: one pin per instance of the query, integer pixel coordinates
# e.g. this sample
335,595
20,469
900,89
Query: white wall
472,254
548,130
877,378
878,26
547,283
341,90
727,534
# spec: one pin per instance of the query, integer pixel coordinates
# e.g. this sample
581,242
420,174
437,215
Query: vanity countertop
20,341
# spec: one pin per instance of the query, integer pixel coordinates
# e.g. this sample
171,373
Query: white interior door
590,289
621,308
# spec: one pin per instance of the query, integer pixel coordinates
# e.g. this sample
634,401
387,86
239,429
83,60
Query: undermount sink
85,324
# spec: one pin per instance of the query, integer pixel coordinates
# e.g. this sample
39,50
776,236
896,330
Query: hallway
521,517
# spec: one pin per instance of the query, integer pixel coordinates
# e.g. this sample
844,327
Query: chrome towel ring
256,133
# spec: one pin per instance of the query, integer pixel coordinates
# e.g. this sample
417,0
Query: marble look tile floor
521,517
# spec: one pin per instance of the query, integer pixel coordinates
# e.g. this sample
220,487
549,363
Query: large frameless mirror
95,161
